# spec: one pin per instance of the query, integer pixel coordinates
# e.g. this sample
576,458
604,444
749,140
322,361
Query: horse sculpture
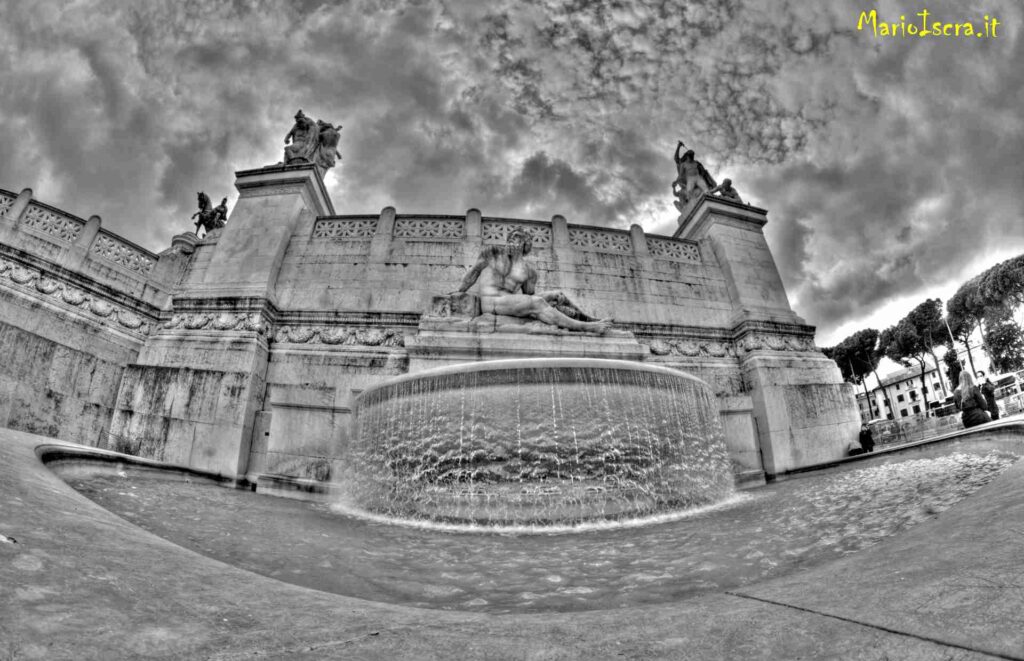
210,217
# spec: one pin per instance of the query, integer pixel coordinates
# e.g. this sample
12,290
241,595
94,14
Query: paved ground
80,583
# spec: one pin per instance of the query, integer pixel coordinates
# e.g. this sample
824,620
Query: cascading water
537,441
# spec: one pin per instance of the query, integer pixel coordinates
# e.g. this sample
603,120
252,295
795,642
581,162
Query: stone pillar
200,380
639,241
804,412
248,254
474,242
559,232
380,244
80,251
17,209
733,231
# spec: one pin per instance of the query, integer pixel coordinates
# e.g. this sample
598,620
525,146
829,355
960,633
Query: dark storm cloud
888,167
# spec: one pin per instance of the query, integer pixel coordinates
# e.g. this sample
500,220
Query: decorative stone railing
75,244
47,220
600,240
6,202
493,231
496,230
667,248
345,228
431,228
114,249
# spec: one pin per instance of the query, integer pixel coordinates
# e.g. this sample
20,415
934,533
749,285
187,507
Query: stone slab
82,583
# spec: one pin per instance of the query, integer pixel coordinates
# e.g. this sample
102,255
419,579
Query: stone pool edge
84,583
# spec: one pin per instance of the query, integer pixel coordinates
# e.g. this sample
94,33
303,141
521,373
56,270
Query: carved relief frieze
52,223
493,231
37,283
692,348
772,342
356,336
223,321
111,249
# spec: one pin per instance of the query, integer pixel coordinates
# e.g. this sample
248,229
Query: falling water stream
537,441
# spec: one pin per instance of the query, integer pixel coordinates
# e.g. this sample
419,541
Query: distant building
906,392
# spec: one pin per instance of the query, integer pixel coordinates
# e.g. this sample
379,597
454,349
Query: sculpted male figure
303,137
692,179
726,190
508,286
326,153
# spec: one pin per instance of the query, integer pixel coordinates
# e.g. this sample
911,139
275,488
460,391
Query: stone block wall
241,353
52,389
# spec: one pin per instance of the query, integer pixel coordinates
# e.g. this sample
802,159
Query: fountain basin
535,442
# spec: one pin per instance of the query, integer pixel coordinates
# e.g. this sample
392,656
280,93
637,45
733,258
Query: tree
953,366
929,325
857,357
902,343
987,301
1003,336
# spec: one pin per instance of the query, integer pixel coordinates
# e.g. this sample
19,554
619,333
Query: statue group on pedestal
693,181
312,141
210,217
508,283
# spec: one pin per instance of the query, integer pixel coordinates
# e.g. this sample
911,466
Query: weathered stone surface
290,298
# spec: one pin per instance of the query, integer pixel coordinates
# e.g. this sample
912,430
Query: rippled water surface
764,533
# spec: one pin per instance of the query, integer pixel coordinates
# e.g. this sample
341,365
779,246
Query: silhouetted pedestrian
988,389
867,441
970,401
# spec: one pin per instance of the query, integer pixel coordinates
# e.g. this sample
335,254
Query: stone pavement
78,582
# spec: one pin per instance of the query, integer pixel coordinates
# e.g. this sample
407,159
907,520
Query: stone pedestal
804,412
454,332
249,251
194,392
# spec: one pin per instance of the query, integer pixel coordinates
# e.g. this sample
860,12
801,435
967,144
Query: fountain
537,441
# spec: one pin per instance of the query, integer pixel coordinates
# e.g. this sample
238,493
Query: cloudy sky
891,167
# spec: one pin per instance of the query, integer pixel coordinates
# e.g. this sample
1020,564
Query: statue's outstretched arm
470,278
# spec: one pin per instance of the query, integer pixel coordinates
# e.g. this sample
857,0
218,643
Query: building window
924,389
903,412
917,409
899,398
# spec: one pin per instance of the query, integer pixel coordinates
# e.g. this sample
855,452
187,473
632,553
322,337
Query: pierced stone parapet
114,250
673,249
6,202
495,231
57,225
600,240
362,227
429,228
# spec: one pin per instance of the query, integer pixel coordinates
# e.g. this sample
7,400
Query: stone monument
244,353
312,141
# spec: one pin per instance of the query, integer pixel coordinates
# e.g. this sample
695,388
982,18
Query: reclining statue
508,287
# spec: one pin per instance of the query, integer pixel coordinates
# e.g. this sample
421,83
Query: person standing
970,401
867,441
988,389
